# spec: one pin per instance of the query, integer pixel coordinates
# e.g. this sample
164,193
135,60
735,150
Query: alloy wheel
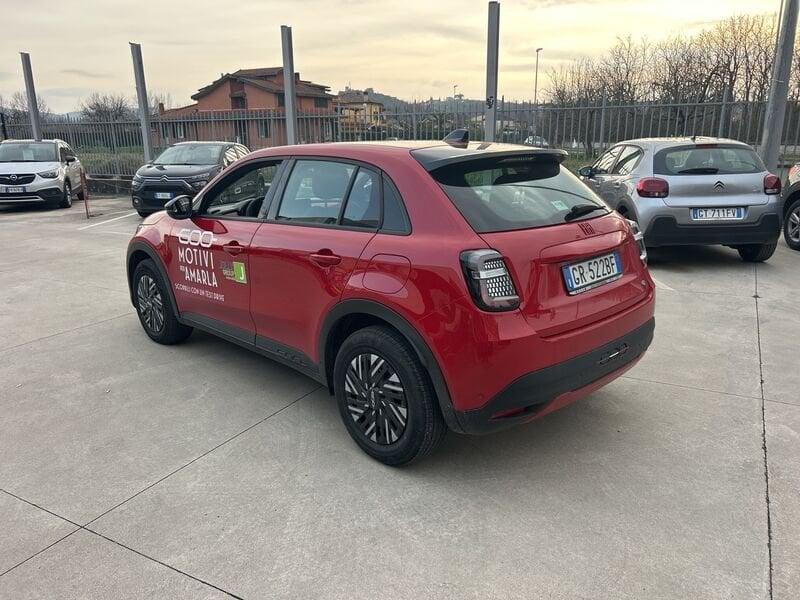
376,399
150,303
793,225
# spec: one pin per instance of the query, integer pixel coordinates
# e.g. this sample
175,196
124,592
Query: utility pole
30,90
141,95
536,80
779,87
288,85
492,50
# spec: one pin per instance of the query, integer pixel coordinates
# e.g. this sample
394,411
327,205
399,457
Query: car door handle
326,259
233,248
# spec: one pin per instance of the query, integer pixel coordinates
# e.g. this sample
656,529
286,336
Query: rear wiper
580,210
699,171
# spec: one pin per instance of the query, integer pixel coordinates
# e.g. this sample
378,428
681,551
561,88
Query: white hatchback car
39,172
692,191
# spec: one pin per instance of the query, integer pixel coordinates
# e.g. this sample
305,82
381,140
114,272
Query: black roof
439,155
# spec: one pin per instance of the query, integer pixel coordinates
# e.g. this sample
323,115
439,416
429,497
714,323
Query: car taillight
652,187
772,184
489,281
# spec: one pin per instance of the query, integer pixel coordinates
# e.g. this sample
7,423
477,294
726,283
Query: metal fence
115,148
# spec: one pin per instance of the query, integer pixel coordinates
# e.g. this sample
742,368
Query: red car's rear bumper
545,390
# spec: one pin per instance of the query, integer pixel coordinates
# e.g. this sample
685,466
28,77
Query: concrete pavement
204,471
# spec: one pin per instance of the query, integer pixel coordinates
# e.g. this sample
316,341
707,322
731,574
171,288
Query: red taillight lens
772,185
652,187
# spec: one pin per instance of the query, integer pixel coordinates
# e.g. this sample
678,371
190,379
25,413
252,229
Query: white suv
39,172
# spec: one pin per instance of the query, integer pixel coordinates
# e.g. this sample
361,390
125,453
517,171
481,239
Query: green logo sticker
239,272
559,205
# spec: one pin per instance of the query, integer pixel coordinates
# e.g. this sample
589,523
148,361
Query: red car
428,285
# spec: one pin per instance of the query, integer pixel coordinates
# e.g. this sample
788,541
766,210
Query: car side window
241,193
242,151
606,161
628,160
315,192
62,154
363,207
395,219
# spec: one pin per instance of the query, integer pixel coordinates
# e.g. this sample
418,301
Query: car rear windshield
520,192
190,154
707,160
28,152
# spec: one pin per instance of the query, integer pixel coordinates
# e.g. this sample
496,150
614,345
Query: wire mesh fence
584,130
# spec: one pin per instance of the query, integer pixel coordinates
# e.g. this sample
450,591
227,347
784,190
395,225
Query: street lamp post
536,91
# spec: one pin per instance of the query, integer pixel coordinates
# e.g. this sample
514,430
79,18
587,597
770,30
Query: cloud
85,74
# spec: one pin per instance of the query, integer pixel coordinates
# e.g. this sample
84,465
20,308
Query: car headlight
198,185
639,237
49,174
199,177
136,182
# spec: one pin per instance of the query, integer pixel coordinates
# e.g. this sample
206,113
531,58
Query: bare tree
16,108
107,108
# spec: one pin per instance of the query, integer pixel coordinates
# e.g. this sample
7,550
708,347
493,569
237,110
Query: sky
413,49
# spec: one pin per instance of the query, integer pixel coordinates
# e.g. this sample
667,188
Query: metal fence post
779,87
3,127
492,50
141,94
288,84
33,104
723,113
602,139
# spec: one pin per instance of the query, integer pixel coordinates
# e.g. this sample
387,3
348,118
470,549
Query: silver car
692,191
36,172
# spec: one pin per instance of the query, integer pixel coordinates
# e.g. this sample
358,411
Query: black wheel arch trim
138,246
347,308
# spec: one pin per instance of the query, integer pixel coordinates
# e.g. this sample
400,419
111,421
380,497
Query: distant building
358,113
248,90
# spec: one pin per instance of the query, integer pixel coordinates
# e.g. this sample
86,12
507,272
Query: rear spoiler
435,157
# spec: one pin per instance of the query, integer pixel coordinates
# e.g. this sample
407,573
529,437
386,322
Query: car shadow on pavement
690,257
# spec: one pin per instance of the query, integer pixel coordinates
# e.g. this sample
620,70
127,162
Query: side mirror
70,159
180,207
586,172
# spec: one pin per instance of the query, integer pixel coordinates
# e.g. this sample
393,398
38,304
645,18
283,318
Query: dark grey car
181,169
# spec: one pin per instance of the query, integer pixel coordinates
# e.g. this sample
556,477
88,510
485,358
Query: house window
281,99
263,128
238,102
320,103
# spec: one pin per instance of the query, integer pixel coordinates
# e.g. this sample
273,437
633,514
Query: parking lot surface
202,470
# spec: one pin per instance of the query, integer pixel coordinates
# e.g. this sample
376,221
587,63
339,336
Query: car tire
791,226
81,195
153,306
66,200
757,252
143,213
377,376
